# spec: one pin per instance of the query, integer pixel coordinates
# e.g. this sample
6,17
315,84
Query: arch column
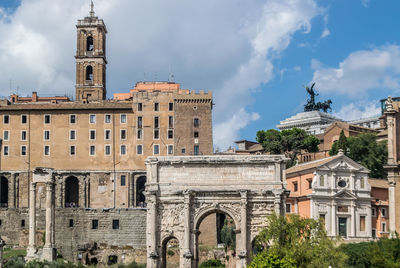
153,257
187,254
243,254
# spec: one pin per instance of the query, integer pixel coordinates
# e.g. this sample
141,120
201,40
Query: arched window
89,43
4,192
140,187
71,192
89,73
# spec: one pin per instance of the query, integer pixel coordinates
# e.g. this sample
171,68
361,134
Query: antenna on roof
171,75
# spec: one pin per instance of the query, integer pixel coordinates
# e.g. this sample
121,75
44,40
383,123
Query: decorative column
48,249
243,229
392,206
187,254
152,259
353,220
31,250
333,219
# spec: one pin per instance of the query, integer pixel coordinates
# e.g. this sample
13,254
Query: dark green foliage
170,252
228,235
299,241
132,265
289,142
342,142
366,151
357,253
212,263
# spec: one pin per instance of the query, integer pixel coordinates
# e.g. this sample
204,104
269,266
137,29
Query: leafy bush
357,253
271,260
211,263
132,265
170,252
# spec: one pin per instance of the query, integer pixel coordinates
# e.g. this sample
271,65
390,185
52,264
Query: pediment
345,194
345,163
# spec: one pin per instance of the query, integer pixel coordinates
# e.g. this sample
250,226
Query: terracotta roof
100,105
311,164
379,183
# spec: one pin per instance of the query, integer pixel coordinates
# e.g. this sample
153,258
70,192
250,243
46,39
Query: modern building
97,149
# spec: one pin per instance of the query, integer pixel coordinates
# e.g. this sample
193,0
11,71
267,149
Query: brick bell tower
91,58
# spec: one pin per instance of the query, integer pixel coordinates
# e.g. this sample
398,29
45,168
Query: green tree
289,142
365,150
300,241
228,235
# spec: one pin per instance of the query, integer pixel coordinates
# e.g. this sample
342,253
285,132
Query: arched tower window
89,43
4,192
71,192
140,187
89,73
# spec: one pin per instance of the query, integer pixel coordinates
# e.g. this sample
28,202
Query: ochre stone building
97,149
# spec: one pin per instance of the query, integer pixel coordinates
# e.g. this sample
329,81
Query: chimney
34,96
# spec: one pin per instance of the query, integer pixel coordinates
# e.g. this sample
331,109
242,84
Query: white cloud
326,31
365,3
361,71
228,50
358,110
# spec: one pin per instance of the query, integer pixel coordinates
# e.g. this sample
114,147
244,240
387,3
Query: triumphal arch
183,190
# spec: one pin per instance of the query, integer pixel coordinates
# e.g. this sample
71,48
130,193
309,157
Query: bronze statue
312,106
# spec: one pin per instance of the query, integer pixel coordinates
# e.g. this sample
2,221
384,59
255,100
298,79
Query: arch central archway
182,191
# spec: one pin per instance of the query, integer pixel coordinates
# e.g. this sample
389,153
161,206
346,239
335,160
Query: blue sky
255,55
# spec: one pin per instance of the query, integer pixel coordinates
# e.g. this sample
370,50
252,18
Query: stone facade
182,191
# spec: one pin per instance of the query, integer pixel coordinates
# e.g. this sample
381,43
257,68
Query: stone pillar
2,244
17,191
31,250
134,191
353,221
195,238
81,191
48,249
243,254
152,258
187,254
296,206
11,195
392,207
333,219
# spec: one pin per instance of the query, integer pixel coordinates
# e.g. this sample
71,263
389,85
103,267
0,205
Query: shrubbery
212,263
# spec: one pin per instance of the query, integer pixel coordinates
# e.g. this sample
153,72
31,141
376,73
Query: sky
255,55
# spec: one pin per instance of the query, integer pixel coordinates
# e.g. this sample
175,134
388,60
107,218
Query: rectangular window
123,180
123,118
92,150
373,214
362,223
170,106
383,229
373,233
170,122
123,149
22,223
23,135
92,119
309,184
170,134
195,134
107,134
140,122
72,150
295,187
72,134
156,149
156,122
196,150
46,150
322,181
46,135
115,224
6,119
139,134
23,150
107,118
72,118
71,223
5,150
288,208
123,134
140,107
92,134
5,135
170,149
156,134
139,149
156,106
107,150
47,119
383,212
183,150
196,122
24,118
95,224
